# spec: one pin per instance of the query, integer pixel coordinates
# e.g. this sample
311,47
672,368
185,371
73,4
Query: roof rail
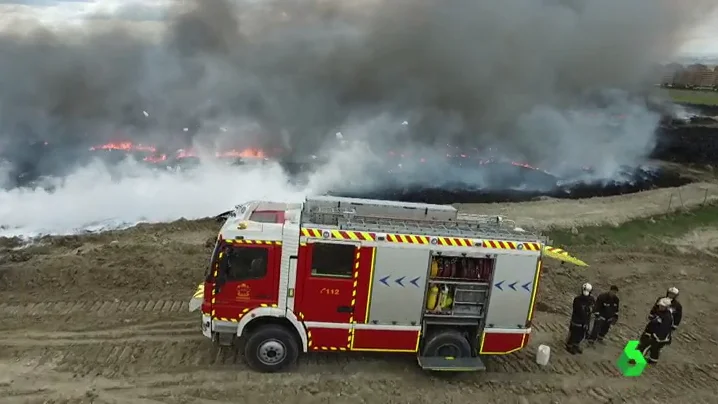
485,226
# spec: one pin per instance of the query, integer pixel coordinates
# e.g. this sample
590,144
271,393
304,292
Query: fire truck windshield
241,263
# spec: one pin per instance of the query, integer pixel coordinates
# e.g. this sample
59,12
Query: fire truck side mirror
223,266
223,262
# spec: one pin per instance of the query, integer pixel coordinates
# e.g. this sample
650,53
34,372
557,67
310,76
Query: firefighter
676,307
657,333
605,314
580,319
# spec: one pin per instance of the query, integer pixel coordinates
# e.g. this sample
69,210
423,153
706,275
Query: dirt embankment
148,261
561,213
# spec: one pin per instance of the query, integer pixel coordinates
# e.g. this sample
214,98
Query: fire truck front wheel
271,348
447,343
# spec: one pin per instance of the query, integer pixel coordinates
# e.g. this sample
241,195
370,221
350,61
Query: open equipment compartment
459,285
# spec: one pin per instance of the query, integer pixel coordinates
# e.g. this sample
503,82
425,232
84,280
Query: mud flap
196,301
207,326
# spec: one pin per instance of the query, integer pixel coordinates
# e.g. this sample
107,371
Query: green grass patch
642,232
693,96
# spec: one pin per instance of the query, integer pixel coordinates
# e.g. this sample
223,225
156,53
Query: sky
705,39
703,42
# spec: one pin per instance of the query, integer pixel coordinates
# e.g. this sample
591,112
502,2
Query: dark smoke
538,80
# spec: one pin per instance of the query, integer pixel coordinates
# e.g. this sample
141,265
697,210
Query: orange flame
156,158
125,146
242,153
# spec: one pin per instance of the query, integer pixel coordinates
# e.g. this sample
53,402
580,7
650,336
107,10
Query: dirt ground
550,213
104,319
565,213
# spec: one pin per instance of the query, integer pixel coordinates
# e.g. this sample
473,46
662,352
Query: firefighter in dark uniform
676,307
657,333
580,319
605,314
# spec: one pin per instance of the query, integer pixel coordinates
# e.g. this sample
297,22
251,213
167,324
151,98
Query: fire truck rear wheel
449,343
271,348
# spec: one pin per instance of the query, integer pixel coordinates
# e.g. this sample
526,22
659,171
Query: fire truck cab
344,274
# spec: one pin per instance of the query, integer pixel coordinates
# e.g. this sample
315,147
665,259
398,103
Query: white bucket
543,354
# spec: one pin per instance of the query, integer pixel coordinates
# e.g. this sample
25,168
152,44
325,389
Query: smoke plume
541,81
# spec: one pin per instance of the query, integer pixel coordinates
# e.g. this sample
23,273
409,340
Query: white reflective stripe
318,324
378,327
387,327
508,330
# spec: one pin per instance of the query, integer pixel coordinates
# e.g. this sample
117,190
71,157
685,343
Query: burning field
442,175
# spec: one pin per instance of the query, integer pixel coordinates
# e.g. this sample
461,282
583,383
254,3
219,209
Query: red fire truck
345,274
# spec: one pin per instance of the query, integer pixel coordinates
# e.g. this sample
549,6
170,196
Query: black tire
271,348
447,343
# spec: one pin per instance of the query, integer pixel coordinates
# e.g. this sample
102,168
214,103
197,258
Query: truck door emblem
243,291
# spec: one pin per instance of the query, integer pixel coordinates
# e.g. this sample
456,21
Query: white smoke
97,198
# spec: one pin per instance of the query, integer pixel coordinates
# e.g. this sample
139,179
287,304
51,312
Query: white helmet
672,290
664,302
586,289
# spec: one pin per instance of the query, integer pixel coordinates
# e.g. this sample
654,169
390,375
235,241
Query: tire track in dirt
696,375
97,307
178,346
163,368
116,336
197,352
667,380
622,333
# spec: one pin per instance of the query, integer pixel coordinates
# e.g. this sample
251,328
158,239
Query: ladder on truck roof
484,227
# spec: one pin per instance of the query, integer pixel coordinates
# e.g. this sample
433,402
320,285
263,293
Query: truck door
247,278
326,282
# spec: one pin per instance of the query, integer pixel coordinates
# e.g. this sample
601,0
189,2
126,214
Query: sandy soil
701,240
104,319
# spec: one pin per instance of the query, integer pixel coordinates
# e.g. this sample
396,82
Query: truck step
439,363
225,339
